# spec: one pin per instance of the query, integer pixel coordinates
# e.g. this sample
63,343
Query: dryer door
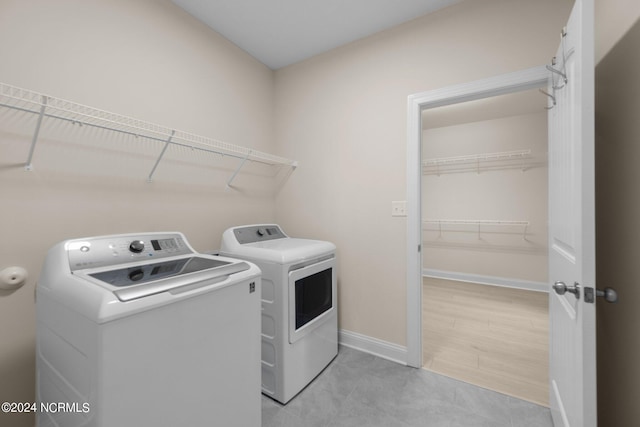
312,297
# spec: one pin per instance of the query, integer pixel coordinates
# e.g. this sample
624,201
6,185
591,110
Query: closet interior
484,232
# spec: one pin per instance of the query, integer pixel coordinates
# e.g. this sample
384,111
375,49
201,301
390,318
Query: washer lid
144,273
284,251
142,280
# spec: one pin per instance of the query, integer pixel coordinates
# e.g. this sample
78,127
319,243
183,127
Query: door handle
609,294
561,288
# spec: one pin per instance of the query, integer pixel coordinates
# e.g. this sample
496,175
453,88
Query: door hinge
419,248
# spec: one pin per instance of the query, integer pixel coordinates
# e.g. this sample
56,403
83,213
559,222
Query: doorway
484,226
509,83
572,361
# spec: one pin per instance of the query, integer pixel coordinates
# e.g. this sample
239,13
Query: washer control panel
258,233
120,249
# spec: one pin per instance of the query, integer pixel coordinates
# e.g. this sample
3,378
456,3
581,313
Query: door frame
530,78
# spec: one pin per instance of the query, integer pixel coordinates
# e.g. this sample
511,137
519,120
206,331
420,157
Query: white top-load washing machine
299,304
139,330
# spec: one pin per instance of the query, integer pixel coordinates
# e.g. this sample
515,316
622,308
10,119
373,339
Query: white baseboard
487,280
386,350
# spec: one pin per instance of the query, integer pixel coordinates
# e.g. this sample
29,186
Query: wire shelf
499,160
477,223
49,107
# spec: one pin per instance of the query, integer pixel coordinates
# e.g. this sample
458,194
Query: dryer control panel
258,233
120,249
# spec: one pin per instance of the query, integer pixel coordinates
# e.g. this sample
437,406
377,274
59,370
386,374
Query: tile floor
359,389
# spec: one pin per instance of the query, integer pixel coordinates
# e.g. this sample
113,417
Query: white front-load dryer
299,304
139,330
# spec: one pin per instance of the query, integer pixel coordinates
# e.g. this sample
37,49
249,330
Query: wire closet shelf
479,223
45,106
499,160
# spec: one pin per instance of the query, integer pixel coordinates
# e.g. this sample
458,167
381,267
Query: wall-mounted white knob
12,278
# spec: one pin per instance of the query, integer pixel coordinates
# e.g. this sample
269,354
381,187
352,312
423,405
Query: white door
572,352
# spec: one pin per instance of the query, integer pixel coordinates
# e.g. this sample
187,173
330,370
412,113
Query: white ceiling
282,32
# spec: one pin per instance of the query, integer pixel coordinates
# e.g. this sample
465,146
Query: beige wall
506,194
343,116
145,59
613,18
617,229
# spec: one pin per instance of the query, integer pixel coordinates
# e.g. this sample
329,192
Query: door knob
561,288
609,294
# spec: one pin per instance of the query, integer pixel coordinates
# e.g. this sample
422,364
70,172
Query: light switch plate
399,208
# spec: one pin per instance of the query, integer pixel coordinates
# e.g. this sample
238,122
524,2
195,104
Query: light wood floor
490,336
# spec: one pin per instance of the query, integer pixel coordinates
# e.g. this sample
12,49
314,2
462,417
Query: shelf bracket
233,176
34,139
524,233
164,149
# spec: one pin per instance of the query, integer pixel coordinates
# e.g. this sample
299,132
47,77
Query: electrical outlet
399,208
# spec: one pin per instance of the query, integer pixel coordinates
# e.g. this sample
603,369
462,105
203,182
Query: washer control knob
136,246
136,275
261,232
